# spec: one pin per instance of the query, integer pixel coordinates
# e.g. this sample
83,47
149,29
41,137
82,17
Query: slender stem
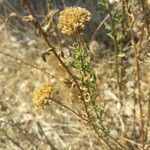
98,28
137,69
116,51
13,141
25,133
145,13
45,136
26,63
148,116
123,26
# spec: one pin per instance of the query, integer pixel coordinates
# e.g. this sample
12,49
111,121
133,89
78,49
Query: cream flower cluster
72,20
41,95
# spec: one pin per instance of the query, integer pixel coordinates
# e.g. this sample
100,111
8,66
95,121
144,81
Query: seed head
72,20
41,95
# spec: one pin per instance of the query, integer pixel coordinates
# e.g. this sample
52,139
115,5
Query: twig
100,25
25,133
148,116
133,142
145,13
98,28
46,138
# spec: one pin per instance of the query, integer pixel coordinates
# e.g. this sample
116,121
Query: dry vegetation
96,92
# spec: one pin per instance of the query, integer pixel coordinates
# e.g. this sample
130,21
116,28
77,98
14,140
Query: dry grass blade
13,141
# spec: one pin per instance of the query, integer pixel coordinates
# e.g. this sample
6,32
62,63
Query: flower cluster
72,20
41,95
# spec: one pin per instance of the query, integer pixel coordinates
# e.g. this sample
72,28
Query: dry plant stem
46,138
100,25
77,37
58,36
122,69
133,142
44,35
141,37
145,13
13,141
116,51
26,133
137,69
148,114
135,98
26,63
90,123
68,108
98,28
104,140
118,71
123,33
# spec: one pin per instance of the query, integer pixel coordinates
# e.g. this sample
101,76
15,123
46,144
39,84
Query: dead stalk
148,117
13,141
26,63
98,28
145,17
26,133
131,20
45,136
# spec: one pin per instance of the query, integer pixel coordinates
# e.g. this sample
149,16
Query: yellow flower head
41,95
72,20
